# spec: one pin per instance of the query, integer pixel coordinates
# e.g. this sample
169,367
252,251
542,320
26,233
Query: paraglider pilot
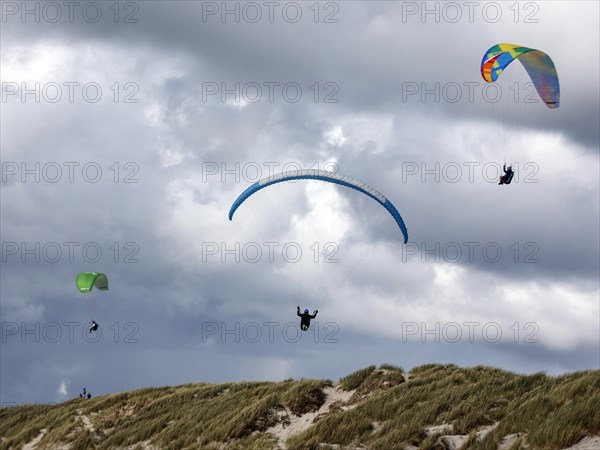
94,327
305,318
508,175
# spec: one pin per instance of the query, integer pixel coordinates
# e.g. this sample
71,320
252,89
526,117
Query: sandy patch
87,423
508,441
456,441
33,444
587,443
481,434
297,424
145,446
434,429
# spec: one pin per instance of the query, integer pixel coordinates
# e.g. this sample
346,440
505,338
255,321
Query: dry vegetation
384,412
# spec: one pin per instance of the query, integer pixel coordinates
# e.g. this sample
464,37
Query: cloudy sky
129,129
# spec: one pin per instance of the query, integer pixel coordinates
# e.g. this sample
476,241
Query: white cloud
62,389
335,137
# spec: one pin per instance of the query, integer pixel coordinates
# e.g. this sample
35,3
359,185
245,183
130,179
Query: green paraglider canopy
87,280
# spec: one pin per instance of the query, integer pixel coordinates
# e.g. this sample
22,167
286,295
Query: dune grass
384,412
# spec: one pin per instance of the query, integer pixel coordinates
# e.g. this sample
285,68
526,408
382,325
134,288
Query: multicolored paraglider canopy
538,64
323,175
87,280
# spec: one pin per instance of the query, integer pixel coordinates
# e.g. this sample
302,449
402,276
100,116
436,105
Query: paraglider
508,175
305,318
323,175
94,326
538,65
541,71
85,282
